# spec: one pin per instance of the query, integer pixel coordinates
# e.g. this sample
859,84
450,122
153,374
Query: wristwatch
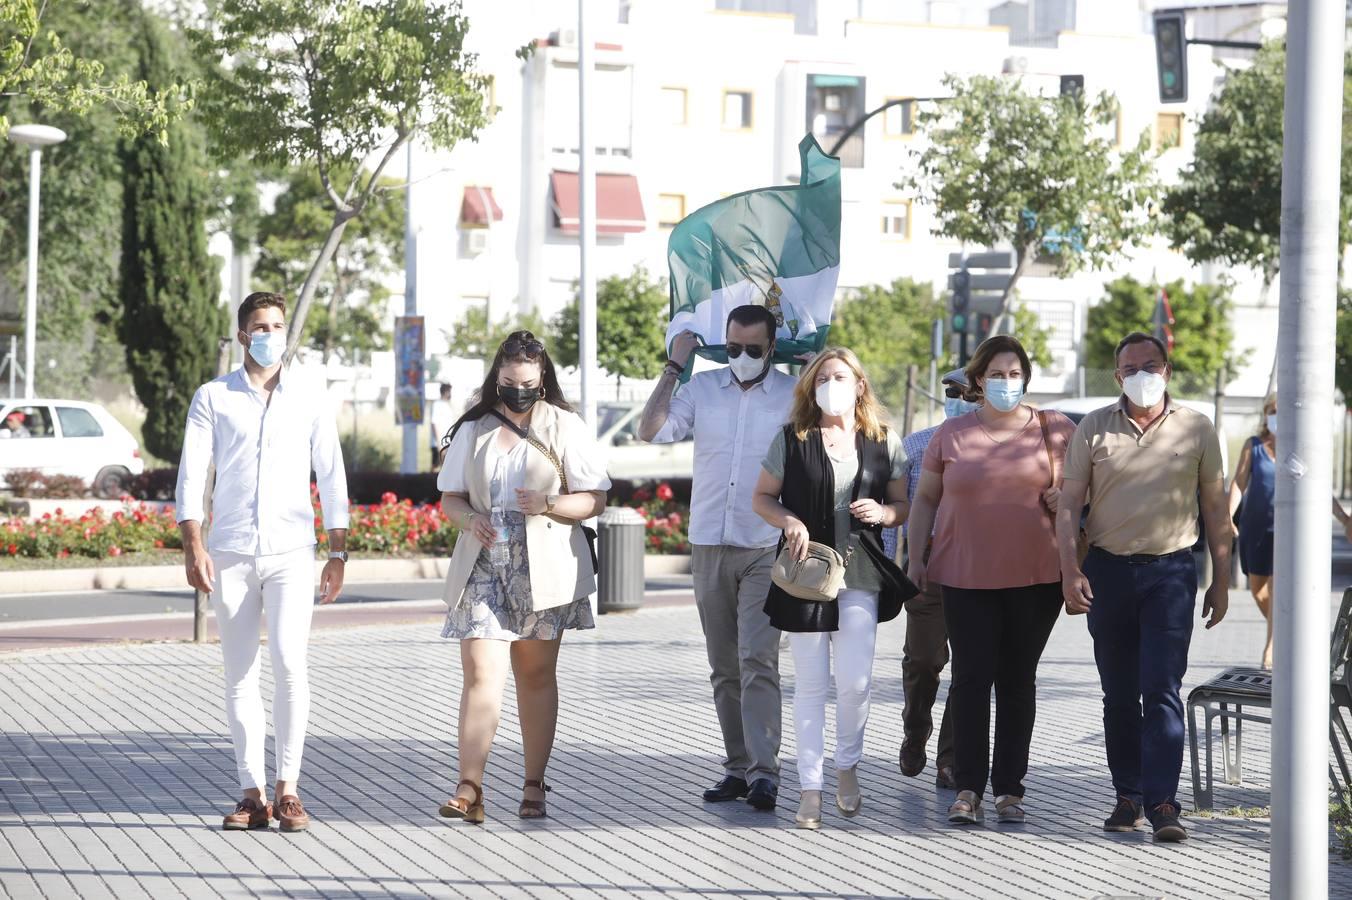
338,554
550,501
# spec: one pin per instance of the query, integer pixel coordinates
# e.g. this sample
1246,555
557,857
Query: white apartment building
694,102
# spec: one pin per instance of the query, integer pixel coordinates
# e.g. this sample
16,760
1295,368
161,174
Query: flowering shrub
134,527
394,526
667,521
35,483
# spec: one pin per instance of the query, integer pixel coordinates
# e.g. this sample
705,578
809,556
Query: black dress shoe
912,759
763,794
730,788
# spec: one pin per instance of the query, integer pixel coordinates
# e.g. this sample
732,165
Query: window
834,103
675,108
896,223
77,423
26,422
899,120
670,209
1168,130
737,109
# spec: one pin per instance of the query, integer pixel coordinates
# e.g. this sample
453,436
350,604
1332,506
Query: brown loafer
290,814
249,815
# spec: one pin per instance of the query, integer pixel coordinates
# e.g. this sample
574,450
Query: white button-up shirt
263,450
733,429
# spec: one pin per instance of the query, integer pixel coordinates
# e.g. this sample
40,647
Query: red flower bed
135,527
394,526
667,521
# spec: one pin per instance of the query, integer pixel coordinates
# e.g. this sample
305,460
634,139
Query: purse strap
1047,443
526,435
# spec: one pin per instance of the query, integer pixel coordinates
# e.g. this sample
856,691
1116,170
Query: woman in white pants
835,475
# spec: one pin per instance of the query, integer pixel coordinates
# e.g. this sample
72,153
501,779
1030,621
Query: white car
68,437
633,460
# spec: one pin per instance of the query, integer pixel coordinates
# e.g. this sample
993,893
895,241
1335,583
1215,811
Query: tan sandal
534,809
457,808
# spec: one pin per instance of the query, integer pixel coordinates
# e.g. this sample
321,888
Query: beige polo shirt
1143,485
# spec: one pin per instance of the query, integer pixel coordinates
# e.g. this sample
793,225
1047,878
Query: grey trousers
731,584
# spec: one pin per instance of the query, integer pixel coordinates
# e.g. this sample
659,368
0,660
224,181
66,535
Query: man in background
440,418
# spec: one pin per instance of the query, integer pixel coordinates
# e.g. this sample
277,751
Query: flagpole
586,188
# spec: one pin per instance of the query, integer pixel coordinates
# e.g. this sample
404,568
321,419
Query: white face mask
1145,389
747,369
267,347
1272,423
836,398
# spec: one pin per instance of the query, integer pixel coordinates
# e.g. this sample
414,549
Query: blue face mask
956,406
267,347
1003,393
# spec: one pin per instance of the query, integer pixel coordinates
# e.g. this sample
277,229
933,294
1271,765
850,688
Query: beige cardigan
556,547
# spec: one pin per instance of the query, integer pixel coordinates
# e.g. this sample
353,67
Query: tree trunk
307,290
1023,257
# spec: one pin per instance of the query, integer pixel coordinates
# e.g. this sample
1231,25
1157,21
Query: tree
889,328
342,87
1203,337
475,337
1228,202
171,318
630,332
353,288
36,66
1004,166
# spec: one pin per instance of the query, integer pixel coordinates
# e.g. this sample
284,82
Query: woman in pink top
993,477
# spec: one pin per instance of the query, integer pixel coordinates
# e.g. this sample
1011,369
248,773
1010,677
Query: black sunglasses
519,347
755,351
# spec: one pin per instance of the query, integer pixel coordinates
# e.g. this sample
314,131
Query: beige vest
556,548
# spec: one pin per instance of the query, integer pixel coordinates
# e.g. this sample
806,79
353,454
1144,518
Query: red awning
478,205
619,209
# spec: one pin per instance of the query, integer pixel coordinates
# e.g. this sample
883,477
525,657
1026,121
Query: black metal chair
1231,696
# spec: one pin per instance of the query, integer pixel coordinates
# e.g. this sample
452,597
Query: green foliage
1203,337
171,319
1227,205
631,315
1003,166
474,337
352,289
37,66
888,328
1033,336
341,86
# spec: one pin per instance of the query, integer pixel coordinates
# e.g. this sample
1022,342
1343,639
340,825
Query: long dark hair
487,395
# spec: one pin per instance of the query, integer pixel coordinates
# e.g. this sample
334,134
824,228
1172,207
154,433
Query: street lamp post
34,137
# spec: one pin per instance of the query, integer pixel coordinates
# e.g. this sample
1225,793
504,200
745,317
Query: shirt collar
241,376
1170,407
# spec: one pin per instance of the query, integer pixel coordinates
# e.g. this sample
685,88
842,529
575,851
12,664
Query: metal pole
1312,142
30,328
13,361
933,389
408,463
586,187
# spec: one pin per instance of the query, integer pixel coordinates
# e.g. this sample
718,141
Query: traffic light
983,327
961,283
1072,85
1171,56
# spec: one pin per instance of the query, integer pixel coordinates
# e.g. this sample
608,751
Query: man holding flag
753,280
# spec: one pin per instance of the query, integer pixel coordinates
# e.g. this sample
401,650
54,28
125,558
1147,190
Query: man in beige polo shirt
1142,464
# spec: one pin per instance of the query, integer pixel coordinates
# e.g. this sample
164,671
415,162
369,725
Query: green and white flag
777,247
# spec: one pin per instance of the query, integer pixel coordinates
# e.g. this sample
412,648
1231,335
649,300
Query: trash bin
620,534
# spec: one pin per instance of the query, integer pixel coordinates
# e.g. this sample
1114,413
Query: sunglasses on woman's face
755,351
517,347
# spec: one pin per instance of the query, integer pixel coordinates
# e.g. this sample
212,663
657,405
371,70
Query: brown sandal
534,809
456,808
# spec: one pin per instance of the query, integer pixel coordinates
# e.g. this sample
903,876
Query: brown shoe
290,814
249,815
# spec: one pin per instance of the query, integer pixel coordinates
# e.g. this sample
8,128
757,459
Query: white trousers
852,646
283,585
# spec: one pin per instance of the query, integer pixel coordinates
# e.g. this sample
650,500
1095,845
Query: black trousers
997,638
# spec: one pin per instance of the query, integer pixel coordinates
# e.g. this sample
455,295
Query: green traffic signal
959,323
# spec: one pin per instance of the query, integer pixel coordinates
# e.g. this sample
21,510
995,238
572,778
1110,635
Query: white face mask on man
745,369
1144,389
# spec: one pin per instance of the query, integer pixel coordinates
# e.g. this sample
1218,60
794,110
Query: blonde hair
806,414
1269,404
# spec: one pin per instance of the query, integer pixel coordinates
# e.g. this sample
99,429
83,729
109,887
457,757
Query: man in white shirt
734,414
440,418
263,429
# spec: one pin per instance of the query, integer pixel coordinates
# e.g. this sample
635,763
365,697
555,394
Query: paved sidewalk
115,769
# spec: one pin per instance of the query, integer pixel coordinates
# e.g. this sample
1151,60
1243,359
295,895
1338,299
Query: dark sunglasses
519,347
755,351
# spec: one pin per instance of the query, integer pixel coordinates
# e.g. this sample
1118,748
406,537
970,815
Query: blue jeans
1141,622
